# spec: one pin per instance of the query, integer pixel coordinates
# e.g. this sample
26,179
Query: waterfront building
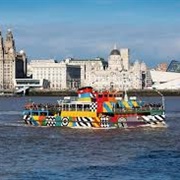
60,75
97,63
161,67
12,64
117,72
26,83
167,80
174,66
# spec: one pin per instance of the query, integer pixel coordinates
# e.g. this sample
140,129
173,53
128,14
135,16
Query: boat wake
10,112
11,124
171,114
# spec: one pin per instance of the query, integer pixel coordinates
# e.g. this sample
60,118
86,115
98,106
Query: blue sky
90,28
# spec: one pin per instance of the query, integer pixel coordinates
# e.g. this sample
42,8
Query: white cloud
149,43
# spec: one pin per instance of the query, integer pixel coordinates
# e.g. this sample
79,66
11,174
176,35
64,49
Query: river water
53,153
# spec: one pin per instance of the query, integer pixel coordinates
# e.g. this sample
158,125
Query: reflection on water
60,153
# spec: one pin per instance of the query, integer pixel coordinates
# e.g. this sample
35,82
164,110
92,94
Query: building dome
115,52
21,52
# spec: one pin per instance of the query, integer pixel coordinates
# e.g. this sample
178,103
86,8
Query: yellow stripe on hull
36,118
78,114
70,124
96,122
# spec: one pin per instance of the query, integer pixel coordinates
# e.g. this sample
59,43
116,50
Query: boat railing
145,108
33,112
42,107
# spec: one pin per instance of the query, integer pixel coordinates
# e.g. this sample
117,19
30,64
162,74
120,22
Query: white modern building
165,80
31,83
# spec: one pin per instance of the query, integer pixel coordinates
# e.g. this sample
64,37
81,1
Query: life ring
122,122
65,121
122,119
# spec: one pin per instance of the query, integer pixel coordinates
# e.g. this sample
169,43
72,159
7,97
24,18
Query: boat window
26,113
100,96
105,95
70,107
35,113
79,107
43,113
65,107
110,95
86,107
73,107
51,113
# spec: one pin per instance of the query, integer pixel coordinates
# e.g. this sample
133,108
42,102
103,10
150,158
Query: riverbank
141,93
130,93
148,92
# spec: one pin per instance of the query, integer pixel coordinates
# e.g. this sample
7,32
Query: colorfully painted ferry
97,110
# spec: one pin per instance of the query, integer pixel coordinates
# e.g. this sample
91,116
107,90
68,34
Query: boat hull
93,120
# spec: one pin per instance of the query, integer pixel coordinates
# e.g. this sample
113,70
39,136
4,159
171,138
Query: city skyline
87,29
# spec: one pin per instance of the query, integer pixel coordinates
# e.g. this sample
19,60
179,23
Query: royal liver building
12,64
120,74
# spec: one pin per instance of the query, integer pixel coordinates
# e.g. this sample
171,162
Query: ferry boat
96,110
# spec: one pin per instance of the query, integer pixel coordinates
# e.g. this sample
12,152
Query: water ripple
59,153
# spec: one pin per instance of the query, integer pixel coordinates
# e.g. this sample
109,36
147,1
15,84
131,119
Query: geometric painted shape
65,121
84,122
107,107
93,106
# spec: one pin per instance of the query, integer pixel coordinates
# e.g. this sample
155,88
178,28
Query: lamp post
162,97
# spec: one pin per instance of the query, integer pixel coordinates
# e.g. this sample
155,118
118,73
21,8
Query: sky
59,29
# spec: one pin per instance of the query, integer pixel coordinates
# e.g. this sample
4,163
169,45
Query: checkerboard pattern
93,106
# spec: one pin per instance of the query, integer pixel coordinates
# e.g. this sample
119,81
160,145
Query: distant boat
21,91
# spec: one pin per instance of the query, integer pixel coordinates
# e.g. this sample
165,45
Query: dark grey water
56,153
